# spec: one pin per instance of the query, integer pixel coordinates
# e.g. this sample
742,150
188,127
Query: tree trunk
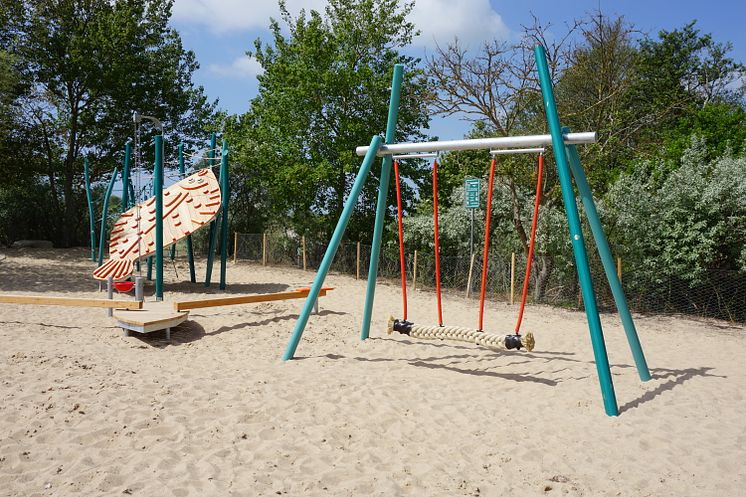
70,215
541,276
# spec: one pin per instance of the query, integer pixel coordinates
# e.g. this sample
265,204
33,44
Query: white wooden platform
153,316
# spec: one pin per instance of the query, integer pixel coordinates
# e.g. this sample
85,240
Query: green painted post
383,196
576,236
212,237
607,260
225,187
149,261
331,250
126,178
105,215
190,252
91,218
133,198
158,192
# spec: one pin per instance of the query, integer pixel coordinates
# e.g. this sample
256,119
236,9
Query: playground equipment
190,204
456,333
130,194
568,167
532,239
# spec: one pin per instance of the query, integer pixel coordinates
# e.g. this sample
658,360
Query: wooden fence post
471,272
303,248
235,246
414,272
264,249
512,278
619,268
357,273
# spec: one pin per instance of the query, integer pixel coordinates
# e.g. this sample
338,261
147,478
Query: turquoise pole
131,189
91,219
383,196
105,215
331,250
576,236
126,178
190,252
214,224
607,260
158,192
225,187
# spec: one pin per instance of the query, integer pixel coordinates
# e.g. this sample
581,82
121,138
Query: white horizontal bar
479,143
415,156
539,150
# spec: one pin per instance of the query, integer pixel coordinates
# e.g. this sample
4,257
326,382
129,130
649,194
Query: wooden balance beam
246,299
69,302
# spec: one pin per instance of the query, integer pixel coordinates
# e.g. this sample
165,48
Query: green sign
471,193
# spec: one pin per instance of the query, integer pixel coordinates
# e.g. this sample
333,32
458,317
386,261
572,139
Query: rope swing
402,265
437,241
458,334
530,257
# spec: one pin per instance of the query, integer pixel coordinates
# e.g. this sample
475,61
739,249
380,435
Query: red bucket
124,286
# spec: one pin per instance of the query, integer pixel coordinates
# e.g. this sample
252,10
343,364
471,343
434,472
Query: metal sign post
472,188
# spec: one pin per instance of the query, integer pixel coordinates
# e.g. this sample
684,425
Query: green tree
683,82
90,64
324,91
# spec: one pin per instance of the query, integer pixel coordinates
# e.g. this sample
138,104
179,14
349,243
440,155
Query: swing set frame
568,167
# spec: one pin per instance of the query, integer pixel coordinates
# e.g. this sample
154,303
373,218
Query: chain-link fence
719,294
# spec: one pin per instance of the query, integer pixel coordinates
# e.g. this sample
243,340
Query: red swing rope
486,251
402,266
534,223
437,242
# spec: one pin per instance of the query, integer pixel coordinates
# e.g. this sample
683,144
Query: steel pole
331,249
608,262
214,224
479,144
576,235
225,187
91,215
158,192
383,195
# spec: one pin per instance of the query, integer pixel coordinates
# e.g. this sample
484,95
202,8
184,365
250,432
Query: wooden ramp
246,299
153,316
69,301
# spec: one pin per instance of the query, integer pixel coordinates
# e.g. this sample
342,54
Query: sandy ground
87,411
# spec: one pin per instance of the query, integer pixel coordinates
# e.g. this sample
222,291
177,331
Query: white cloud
472,21
241,67
222,16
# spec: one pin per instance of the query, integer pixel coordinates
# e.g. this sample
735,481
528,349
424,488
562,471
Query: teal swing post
158,192
383,195
91,218
225,187
607,260
189,249
576,235
331,250
104,216
212,237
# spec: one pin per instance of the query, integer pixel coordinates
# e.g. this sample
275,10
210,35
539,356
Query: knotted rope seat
458,334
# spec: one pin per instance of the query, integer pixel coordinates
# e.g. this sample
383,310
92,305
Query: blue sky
221,31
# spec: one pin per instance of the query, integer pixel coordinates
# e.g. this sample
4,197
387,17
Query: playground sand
87,411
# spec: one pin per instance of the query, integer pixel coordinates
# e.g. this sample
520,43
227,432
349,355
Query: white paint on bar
479,143
415,156
539,150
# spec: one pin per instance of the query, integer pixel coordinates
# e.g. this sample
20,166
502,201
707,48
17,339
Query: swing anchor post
503,342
